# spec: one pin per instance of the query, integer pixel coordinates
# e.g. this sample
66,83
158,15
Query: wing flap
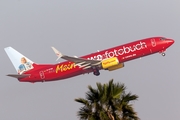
81,62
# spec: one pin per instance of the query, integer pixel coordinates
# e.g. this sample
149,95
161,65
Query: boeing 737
109,59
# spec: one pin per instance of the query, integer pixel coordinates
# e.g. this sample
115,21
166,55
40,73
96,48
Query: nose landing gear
163,54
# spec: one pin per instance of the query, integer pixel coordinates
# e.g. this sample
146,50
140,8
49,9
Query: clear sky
79,27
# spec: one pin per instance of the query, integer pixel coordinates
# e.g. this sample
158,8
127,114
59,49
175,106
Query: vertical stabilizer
20,62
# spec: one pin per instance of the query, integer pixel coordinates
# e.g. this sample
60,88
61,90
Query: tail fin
20,62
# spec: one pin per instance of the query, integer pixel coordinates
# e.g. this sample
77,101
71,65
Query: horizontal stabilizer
19,76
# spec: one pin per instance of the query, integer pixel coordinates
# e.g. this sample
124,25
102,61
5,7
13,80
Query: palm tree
107,102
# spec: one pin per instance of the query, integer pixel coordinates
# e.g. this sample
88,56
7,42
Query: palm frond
107,102
129,97
82,101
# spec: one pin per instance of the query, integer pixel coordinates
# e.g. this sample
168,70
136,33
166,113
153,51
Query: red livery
109,59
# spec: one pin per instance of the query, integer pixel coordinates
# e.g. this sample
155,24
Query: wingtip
58,54
52,47
58,58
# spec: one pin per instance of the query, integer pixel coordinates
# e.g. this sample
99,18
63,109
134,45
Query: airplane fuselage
123,53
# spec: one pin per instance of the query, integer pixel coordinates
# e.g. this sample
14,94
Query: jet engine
112,64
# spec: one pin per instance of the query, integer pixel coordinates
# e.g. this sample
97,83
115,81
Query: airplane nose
170,41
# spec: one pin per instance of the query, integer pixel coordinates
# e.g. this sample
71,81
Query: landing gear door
41,73
153,42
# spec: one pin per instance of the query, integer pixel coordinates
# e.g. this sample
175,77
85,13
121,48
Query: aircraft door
41,73
153,42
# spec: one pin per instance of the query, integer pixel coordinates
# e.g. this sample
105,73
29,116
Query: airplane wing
81,62
18,75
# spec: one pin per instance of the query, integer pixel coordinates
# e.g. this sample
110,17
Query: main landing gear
96,72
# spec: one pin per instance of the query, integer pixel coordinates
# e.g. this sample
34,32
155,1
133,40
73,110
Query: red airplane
109,59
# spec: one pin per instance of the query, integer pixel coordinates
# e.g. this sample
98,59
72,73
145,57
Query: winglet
58,54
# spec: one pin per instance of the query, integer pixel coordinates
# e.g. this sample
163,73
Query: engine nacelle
121,65
110,62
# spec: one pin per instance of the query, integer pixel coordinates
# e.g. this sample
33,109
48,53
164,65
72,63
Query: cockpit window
162,38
